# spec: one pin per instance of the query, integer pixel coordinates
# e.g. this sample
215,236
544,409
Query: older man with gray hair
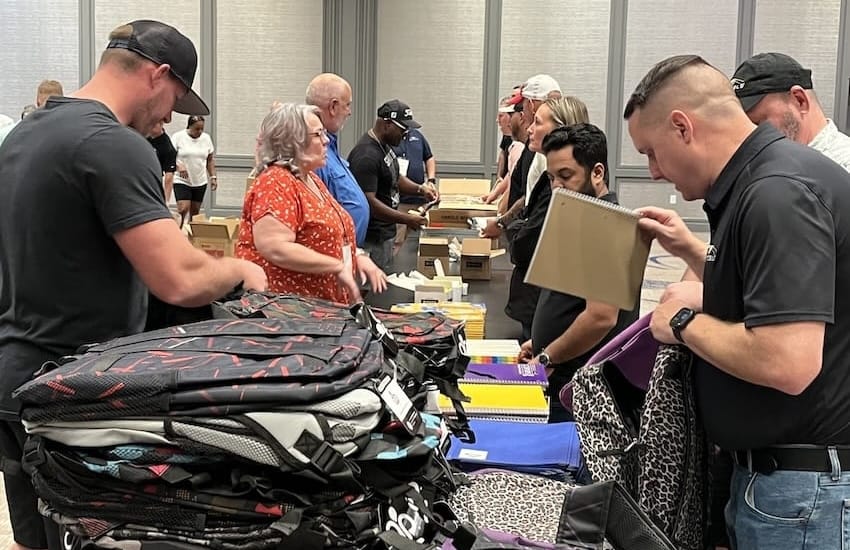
774,87
332,95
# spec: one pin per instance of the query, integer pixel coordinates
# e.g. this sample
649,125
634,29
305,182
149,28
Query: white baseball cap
539,86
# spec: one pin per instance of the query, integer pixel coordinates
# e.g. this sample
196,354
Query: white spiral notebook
590,248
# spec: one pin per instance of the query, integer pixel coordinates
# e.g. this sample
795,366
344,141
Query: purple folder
505,373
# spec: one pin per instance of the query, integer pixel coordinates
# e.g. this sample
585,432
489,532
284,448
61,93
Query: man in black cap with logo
774,87
375,166
84,230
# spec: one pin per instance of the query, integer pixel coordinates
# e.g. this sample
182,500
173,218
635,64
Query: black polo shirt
780,252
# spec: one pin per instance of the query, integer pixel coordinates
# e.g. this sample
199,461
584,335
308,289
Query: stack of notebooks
550,450
471,314
504,392
491,351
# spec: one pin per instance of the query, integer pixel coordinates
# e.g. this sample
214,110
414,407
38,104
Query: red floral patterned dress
320,224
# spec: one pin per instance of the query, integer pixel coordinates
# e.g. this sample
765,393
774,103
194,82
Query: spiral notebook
505,373
526,401
590,248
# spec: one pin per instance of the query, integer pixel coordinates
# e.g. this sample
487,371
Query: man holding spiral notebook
567,330
771,331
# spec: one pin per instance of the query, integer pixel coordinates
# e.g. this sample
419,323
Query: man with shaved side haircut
771,328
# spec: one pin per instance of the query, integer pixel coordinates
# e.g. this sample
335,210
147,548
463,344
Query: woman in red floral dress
291,225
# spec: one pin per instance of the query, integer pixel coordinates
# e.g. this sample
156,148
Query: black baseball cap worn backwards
165,45
399,112
768,73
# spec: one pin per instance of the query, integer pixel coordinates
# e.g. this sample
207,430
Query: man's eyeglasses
319,133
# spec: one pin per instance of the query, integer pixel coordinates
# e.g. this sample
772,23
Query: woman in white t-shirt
195,167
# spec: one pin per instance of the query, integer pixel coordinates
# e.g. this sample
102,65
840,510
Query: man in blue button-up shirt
332,95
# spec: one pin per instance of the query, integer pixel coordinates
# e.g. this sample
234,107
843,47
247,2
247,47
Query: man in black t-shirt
76,268
375,167
771,329
566,329
166,154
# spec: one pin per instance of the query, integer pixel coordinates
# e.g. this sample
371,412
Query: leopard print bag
607,409
673,452
650,441
523,504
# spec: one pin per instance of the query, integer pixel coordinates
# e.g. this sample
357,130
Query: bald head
687,83
332,95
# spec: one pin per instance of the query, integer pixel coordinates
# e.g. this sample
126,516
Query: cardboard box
460,199
464,187
458,233
430,249
431,292
217,237
475,259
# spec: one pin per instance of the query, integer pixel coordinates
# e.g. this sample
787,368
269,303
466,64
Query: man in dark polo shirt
375,167
773,336
566,329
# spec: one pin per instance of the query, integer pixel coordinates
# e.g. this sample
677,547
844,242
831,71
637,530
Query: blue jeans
789,509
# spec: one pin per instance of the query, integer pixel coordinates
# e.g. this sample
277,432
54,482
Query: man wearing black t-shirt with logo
375,167
771,328
566,329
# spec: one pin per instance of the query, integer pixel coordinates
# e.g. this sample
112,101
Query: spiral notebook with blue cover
519,446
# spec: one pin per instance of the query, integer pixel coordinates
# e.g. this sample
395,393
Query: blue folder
543,449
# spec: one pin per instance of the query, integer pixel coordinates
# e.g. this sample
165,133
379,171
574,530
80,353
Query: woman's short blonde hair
284,136
567,110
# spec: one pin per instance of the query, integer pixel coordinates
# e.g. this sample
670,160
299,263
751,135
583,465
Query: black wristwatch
544,358
681,320
432,180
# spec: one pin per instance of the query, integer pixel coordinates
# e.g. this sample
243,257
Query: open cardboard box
217,236
460,199
475,259
431,249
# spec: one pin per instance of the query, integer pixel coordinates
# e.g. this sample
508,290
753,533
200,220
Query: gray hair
283,136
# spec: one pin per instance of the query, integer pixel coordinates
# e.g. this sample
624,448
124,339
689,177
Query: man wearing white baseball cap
536,90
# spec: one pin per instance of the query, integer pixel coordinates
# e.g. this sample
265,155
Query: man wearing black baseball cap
375,167
774,87
85,233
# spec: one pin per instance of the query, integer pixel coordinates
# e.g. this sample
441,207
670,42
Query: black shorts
183,192
28,526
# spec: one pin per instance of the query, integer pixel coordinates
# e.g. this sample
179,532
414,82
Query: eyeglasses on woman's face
320,133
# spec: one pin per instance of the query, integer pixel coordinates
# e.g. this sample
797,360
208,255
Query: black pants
559,378
29,527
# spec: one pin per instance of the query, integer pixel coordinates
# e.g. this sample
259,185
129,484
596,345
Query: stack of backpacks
286,422
249,433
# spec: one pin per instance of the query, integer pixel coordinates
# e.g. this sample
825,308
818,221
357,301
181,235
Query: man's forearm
514,211
406,186
768,356
385,213
430,169
584,334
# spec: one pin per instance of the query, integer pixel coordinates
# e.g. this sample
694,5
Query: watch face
682,316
